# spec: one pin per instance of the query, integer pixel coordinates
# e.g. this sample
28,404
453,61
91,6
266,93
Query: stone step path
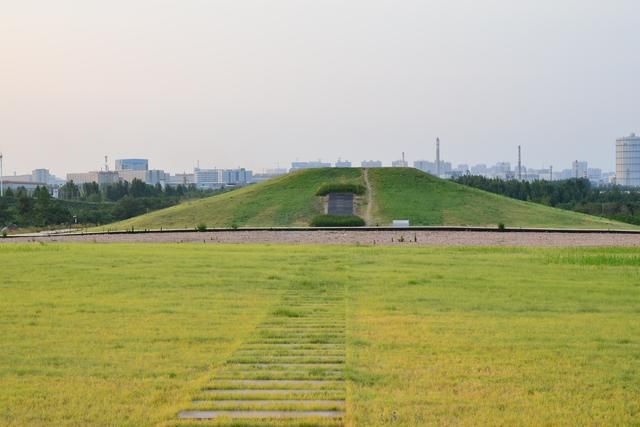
290,372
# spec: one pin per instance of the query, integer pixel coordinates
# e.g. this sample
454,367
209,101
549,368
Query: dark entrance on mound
340,204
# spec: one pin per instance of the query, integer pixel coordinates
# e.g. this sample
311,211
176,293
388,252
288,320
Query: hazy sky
254,83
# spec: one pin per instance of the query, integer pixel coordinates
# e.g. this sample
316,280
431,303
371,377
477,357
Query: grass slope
128,335
407,193
398,193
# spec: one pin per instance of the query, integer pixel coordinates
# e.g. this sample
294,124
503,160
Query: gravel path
386,237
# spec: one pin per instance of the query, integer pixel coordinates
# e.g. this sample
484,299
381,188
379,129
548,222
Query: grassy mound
289,200
396,193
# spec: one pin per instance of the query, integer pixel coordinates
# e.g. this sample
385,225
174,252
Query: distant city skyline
336,162
250,83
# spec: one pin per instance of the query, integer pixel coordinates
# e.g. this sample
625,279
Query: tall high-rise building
628,161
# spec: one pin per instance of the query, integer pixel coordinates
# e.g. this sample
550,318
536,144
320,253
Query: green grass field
396,193
130,335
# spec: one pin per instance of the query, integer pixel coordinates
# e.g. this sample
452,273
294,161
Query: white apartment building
628,161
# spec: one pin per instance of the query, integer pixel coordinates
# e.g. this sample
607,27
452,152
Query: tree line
579,195
89,203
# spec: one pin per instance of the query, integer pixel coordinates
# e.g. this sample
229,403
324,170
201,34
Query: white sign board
401,223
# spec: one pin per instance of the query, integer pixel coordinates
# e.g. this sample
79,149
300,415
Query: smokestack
550,173
519,164
438,157
106,163
1,179
403,158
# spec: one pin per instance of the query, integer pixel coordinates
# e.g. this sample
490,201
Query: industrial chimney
438,157
519,164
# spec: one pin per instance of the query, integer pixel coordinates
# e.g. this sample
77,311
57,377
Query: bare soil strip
368,218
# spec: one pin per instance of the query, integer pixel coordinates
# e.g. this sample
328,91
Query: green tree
128,207
24,205
69,191
139,189
6,215
9,194
91,191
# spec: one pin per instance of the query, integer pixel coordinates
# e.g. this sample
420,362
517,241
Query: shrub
201,227
4,233
341,187
337,221
501,226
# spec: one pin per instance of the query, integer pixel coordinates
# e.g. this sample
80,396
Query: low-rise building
343,163
29,186
479,169
132,165
184,179
239,176
430,167
208,178
99,177
268,174
371,164
130,174
157,176
309,165
218,178
579,169
425,166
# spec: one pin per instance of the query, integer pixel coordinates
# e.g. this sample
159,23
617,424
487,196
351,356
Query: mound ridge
392,193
